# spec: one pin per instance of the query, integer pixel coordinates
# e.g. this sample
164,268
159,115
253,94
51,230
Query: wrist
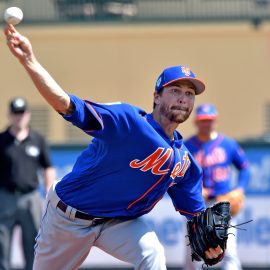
28,61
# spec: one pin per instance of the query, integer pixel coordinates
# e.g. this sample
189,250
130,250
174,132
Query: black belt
96,220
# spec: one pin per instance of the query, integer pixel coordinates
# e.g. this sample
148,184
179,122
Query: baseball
13,15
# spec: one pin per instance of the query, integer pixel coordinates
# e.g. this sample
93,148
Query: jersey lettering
178,170
153,162
217,156
156,160
221,174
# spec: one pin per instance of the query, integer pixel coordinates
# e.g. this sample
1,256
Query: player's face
176,101
20,120
205,127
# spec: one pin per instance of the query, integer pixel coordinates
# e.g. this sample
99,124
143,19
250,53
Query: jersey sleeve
187,194
111,120
241,162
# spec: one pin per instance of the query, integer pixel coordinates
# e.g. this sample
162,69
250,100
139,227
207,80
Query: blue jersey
216,158
129,165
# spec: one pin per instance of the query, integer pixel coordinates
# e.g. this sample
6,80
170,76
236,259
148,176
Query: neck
207,137
168,126
19,133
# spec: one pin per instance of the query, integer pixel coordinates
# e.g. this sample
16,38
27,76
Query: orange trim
95,113
189,79
146,192
185,212
153,204
206,117
161,178
90,130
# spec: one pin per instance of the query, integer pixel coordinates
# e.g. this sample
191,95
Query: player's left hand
213,253
208,233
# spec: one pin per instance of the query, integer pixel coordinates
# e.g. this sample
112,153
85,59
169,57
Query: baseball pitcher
133,160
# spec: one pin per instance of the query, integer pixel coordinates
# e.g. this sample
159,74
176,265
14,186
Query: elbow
65,107
61,109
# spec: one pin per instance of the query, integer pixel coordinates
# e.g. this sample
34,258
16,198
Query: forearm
49,177
47,86
21,48
243,178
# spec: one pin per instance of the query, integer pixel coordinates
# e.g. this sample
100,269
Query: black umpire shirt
21,161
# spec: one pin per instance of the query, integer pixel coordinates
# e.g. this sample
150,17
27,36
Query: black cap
18,105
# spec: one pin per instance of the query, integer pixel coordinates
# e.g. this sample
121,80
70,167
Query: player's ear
156,97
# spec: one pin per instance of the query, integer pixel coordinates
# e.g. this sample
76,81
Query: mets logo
216,156
185,70
155,161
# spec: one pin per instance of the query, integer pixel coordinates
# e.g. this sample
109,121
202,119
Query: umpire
22,153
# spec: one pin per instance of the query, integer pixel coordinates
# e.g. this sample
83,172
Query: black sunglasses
18,112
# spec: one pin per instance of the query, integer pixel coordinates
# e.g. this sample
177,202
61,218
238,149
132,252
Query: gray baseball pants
23,210
64,241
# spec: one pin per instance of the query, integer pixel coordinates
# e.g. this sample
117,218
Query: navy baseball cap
206,112
18,105
177,73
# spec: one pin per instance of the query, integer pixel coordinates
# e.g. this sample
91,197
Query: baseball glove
236,198
207,230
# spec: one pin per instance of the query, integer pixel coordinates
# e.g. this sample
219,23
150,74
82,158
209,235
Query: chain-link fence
54,11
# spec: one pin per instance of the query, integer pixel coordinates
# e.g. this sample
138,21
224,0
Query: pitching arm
21,48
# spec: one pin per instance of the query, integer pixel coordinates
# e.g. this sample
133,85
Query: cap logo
19,103
206,109
185,70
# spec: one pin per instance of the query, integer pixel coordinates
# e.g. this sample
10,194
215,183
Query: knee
153,258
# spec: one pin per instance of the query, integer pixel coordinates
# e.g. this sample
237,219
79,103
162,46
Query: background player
133,160
23,155
216,154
